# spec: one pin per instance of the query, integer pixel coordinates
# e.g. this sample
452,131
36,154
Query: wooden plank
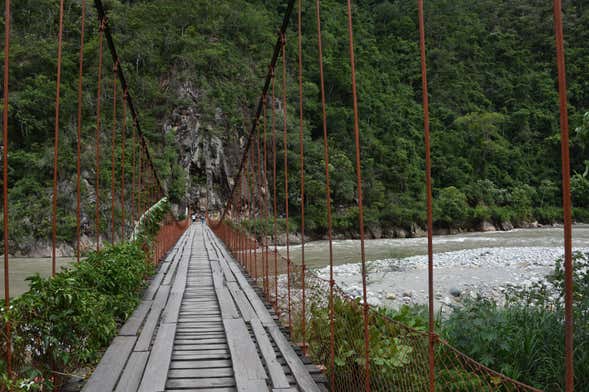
179,356
154,285
109,369
156,371
200,347
247,366
131,327
200,373
193,383
300,373
172,270
146,335
173,308
217,274
243,304
228,309
226,270
277,375
255,301
196,364
133,372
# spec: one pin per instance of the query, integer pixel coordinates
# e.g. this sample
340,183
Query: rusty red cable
123,140
134,166
259,186
7,325
566,197
140,184
56,143
98,126
79,132
285,142
428,181
265,184
275,199
327,197
302,164
112,153
360,202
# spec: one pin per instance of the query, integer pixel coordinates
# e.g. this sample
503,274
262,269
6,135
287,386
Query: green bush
524,339
64,322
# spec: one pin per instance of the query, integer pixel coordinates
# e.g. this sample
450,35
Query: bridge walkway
202,327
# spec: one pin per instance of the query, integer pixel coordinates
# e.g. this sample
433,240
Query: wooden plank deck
202,327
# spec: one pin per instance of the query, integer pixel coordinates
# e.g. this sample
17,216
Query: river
23,267
467,264
397,266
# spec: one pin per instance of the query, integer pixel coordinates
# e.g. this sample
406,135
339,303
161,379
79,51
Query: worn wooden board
200,373
247,312
300,373
247,366
193,383
111,366
275,370
131,327
156,370
133,372
175,301
152,320
197,364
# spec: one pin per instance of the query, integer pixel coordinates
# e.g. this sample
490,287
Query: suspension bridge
226,310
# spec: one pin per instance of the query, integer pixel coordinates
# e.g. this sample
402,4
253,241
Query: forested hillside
496,154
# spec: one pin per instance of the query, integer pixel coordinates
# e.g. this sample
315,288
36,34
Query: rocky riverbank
485,272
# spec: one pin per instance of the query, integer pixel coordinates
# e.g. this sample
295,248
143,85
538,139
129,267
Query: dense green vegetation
64,323
492,78
523,339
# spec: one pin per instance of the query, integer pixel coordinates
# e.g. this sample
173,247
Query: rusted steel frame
123,141
285,146
113,140
98,129
327,197
302,164
121,76
428,182
56,142
7,326
566,197
269,76
360,202
79,131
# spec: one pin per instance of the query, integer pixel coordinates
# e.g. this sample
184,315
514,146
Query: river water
468,264
398,264
23,267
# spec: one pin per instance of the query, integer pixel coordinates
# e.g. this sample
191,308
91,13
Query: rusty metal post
79,131
123,140
302,164
360,202
428,181
56,142
566,197
285,142
112,152
327,199
7,326
98,126
275,198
